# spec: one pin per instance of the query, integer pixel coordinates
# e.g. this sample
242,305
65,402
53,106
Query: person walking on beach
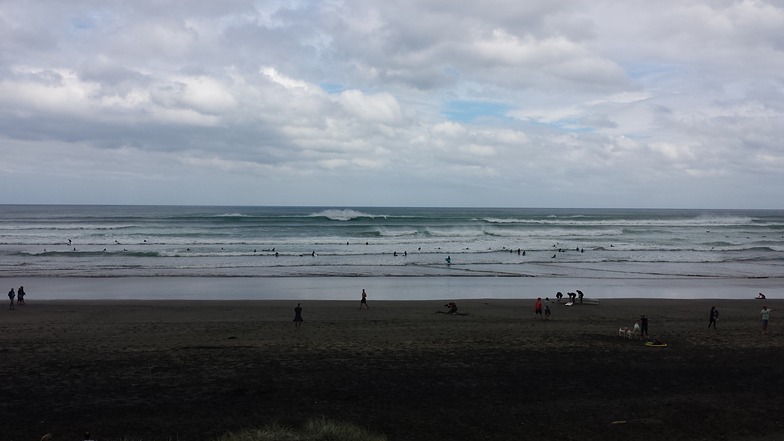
363,301
298,316
714,316
547,308
764,317
538,308
20,296
11,295
643,326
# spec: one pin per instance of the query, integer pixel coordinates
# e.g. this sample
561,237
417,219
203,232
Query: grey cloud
685,93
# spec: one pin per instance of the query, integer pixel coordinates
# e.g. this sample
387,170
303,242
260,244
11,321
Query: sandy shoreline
387,288
192,370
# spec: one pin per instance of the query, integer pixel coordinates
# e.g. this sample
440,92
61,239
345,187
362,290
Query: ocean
269,250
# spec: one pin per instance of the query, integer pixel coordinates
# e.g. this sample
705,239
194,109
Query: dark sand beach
193,370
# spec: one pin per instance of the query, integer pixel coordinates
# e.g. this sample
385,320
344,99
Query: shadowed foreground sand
194,370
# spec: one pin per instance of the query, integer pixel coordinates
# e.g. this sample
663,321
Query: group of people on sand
298,309
541,311
451,308
713,316
539,307
18,295
573,296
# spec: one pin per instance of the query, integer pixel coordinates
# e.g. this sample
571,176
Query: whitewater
468,246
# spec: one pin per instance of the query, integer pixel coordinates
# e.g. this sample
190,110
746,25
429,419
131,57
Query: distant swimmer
553,256
448,260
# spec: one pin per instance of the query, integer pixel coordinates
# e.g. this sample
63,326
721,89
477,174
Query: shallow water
386,288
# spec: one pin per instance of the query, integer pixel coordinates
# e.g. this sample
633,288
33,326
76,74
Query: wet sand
193,370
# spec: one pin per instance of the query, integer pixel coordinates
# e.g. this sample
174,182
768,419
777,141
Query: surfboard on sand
653,344
569,304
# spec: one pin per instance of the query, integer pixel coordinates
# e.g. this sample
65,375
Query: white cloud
382,107
301,95
282,80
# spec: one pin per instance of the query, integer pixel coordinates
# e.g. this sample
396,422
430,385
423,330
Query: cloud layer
496,103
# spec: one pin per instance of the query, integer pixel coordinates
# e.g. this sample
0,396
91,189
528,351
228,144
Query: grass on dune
314,430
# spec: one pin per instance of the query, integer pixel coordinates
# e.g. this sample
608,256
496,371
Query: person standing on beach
11,295
20,296
643,326
363,301
764,317
298,316
714,315
547,308
538,308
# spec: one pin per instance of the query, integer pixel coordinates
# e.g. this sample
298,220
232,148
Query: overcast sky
550,103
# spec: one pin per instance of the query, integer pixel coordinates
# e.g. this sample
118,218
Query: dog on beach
630,333
636,331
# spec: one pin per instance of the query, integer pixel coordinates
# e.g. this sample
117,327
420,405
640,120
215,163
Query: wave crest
342,215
